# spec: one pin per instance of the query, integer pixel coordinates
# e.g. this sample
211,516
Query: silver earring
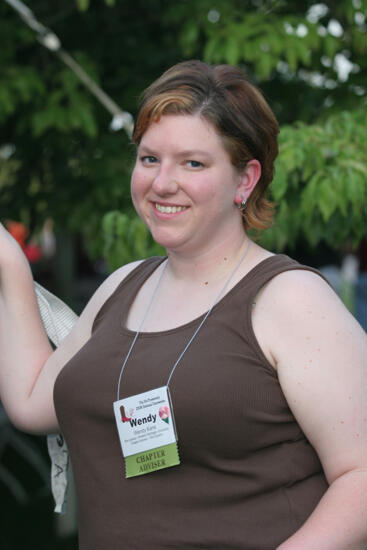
242,205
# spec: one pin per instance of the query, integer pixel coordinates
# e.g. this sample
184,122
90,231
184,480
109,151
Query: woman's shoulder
296,301
279,274
298,291
297,278
109,285
299,306
108,289
104,292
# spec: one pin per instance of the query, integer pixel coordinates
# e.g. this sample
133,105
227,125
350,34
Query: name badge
147,432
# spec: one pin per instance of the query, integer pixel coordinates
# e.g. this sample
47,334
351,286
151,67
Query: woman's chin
167,239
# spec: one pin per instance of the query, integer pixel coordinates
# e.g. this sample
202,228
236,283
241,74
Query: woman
265,367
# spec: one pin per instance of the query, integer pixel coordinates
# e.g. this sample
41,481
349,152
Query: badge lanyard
145,421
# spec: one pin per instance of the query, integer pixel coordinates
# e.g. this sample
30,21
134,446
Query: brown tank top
248,477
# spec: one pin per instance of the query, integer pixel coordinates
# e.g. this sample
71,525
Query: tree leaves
126,238
83,5
61,136
264,40
321,176
18,84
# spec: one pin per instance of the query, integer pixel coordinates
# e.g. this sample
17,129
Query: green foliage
263,42
18,84
321,182
83,5
8,172
68,165
127,239
67,109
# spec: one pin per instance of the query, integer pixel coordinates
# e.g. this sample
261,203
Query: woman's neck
212,265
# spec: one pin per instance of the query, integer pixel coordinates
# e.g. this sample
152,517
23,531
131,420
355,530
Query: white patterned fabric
58,319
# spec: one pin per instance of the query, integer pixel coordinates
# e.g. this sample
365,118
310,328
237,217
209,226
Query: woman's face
184,185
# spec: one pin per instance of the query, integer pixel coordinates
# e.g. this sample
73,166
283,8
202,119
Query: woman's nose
165,183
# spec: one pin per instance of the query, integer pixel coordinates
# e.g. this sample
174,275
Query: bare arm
28,365
320,353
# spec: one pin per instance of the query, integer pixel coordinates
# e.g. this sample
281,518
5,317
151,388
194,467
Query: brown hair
236,108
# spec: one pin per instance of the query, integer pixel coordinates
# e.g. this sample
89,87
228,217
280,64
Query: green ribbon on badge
150,461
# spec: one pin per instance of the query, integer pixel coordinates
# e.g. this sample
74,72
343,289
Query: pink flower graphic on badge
164,414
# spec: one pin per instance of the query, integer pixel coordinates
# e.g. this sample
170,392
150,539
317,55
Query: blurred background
71,72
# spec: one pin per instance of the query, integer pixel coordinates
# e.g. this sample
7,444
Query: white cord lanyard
197,329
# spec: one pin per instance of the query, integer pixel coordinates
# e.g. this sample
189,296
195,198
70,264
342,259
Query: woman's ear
248,180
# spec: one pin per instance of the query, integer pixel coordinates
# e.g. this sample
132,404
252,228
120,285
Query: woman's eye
148,159
194,164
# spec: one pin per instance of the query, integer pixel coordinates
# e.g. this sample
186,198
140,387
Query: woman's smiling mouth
169,209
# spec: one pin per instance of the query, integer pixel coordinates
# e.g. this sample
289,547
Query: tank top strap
129,287
263,272
140,274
